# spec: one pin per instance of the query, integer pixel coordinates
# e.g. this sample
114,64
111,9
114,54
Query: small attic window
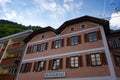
72,29
82,26
42,36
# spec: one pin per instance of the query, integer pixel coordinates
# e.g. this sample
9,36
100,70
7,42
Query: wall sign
54,75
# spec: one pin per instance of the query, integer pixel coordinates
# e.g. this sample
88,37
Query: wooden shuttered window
68,62
98,35
103,59
52,62
26,67
60,43
36,64
69,40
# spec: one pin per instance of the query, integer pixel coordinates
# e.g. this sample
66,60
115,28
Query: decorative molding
66,54
69,34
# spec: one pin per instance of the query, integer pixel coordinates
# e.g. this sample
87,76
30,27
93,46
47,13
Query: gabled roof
102,22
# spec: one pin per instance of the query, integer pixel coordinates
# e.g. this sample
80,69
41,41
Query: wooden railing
7,76
10,60
1,51
15,45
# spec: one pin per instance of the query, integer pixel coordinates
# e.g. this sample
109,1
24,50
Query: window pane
43,46
97,55
58,43
74,40
76,65
93,63
92,36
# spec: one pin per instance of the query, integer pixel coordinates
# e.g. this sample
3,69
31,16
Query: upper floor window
93,36
74,62
74,40
82,26
96,59
43,47
57,43
34,49
72,29
42,36
26,67
39,66
55,64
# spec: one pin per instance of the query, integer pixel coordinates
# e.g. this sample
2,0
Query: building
77,50
11,51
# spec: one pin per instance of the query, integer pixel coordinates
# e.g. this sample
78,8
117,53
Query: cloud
115,20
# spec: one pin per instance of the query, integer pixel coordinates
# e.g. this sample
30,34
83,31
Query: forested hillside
9,27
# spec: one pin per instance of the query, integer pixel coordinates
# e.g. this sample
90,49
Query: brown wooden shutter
35,66
68,41
50,65
79,39
53,46
44,66
38,47
80,61
99,35
22,68
61,63
88,60
25,67
68,62
62,43
29,50
86,37
30,65
103,59
46,46
115,60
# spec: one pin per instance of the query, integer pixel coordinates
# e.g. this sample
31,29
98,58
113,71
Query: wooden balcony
7,76
11,60
15,45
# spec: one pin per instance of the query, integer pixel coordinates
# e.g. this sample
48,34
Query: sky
55,12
